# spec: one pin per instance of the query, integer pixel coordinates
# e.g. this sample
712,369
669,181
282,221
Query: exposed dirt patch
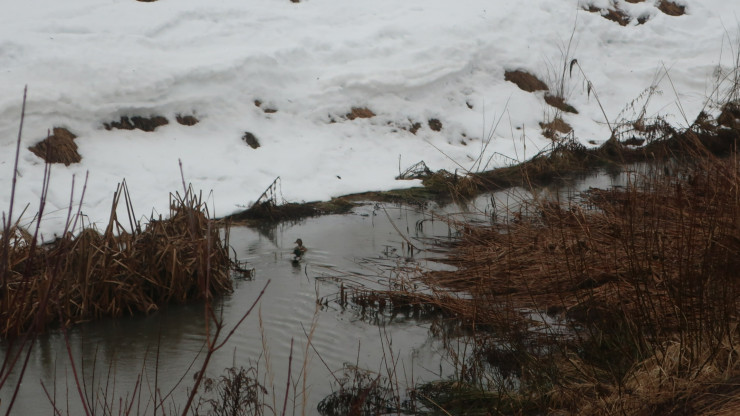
634,1
186,120
435,124
559,103
59,147
360,112
268,110
136,122
251,140
525,81
557,125
415,126
670,8
615,15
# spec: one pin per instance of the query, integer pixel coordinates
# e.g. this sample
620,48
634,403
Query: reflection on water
365,247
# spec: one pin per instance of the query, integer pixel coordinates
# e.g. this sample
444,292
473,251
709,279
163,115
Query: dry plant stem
287,383
215,344
590,88
6,231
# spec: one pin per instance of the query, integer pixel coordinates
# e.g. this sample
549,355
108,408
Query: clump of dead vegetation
58,147
121,271
624,303
147,124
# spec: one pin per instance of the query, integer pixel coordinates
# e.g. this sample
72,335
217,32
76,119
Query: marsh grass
626,303
117,272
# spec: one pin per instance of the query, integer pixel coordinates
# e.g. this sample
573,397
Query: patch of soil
525,81
187,120
59,147
360,112
559,103
415,126
557,125
615,15
435,124
267,110
634,1
670,8
251,140
137,122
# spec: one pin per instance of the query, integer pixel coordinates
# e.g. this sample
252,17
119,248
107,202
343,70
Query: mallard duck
299,249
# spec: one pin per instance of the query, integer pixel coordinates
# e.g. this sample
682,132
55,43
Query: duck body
299,250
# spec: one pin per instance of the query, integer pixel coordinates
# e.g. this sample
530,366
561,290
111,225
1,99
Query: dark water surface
364,247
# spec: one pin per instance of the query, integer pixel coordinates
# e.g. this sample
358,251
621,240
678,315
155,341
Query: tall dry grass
116,272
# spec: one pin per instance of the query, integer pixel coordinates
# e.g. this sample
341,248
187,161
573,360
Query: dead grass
251,140
670,8
186,120
147,124
118,272
360,112
555,127
435,124
59,147
560,104
647,278
525,81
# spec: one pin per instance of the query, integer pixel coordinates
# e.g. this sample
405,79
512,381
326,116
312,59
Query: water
365,247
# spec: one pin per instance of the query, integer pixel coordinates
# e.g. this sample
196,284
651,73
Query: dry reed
119,272
624,303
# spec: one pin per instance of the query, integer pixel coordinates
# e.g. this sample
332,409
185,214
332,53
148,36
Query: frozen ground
89,62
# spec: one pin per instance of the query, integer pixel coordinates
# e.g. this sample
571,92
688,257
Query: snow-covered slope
88,62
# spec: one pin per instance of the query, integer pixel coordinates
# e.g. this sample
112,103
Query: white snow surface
89,62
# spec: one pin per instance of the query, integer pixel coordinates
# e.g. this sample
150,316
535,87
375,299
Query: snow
89,62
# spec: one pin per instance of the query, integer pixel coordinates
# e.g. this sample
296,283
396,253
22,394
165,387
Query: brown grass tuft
557,126
435,124
187,120
147,124
119,272
670,8
615,15
251,140
360,112
559,103
59,147
525,81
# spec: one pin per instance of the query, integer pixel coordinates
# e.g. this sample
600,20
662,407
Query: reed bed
624,302
114,273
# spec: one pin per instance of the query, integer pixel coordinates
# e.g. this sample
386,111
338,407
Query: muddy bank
641,142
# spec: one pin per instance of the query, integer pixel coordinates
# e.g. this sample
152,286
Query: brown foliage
360,112
147,124
59,147
525,81
115,273
670,8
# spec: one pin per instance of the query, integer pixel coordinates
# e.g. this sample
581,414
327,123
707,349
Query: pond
300,306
